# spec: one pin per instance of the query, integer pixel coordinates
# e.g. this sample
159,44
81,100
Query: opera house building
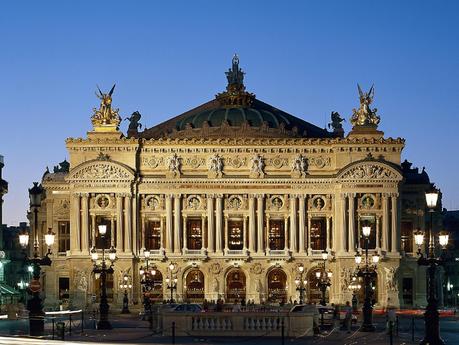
234,199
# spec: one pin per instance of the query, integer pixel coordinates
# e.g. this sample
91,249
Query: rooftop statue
235,75
134,123
365,116
336,120
105,116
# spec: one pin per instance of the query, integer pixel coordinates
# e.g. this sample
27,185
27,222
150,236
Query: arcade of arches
237,194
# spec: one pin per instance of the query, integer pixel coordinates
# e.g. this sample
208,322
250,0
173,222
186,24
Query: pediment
97,170
370,170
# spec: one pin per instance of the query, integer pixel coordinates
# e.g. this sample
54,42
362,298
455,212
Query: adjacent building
238,194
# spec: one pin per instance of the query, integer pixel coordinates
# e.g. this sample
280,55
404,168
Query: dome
234,113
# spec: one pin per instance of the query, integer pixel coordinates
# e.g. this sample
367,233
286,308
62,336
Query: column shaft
169,224
293,224
394,237
119,222
218,224
252,225
177,224
128,226
385,225
260,223
210,224
301,227
351,218
85,224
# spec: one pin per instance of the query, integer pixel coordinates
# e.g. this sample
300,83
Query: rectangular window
63,236
103,242
276,234
318,234
235,235
153,235
194,234
64,286
407,236
370,221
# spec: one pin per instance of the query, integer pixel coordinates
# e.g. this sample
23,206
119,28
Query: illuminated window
276,234
153,235
194,233
64,237
235,235
407,237
103,241
318,234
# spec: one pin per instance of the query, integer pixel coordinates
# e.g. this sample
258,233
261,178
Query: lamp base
104,324
367,328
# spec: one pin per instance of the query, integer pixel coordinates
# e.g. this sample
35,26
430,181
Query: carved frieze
62,208
101,171
174,165
236,162
278,161
257,166
299,166
370,171
195,162
152,162
319,162
215,166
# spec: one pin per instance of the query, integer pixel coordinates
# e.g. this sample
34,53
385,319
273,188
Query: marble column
204,232
286,237
302,225
218,224
244,233
119,222
378,244
293,225
177,224
93,230
85,223
385,225
394,225
185,235
75,240
133,240
128,226
328,235
226,230
112,228
309,235
252,225
260,223
351,218
210,224
169,224
142,236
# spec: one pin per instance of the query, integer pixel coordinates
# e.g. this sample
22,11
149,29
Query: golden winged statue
106,116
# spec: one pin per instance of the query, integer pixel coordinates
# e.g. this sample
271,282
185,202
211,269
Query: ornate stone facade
237,214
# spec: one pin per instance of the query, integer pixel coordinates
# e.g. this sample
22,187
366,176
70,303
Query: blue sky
166,57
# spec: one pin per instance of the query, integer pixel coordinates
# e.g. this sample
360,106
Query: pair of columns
80,225
345,213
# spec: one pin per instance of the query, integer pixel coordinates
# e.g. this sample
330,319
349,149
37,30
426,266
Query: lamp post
126,284
147,275
301,283
354,287
323,278
171,282
368,273
101,269
431,317
34,263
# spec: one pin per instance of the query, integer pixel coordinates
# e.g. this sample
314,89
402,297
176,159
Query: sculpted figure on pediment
370,171
174,165
299,166
215,166
101,171
257,166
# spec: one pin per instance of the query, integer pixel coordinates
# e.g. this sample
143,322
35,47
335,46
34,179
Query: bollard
390,333
53,325
70,324
173,332
283,332
82,321
412,328
396,326
94,318
61,330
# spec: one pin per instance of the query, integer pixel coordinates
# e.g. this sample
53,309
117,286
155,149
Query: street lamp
324,278
126,284
147,275
368,273
171,282
354,287
101,269
431,317
301,283
34,305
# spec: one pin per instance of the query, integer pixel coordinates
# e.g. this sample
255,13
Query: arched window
194,286
277,286
235,285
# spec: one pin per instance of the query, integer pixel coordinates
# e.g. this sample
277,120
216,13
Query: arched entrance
156,288
277,284
374,289
194,288
235,285
314,293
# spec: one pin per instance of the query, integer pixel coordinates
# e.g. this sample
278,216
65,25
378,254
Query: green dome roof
235,113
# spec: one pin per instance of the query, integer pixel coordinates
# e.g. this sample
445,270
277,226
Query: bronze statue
105,115
365,116
336,120
134,124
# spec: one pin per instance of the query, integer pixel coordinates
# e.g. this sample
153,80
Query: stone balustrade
238,324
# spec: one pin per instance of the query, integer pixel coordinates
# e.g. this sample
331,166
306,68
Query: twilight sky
166,57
